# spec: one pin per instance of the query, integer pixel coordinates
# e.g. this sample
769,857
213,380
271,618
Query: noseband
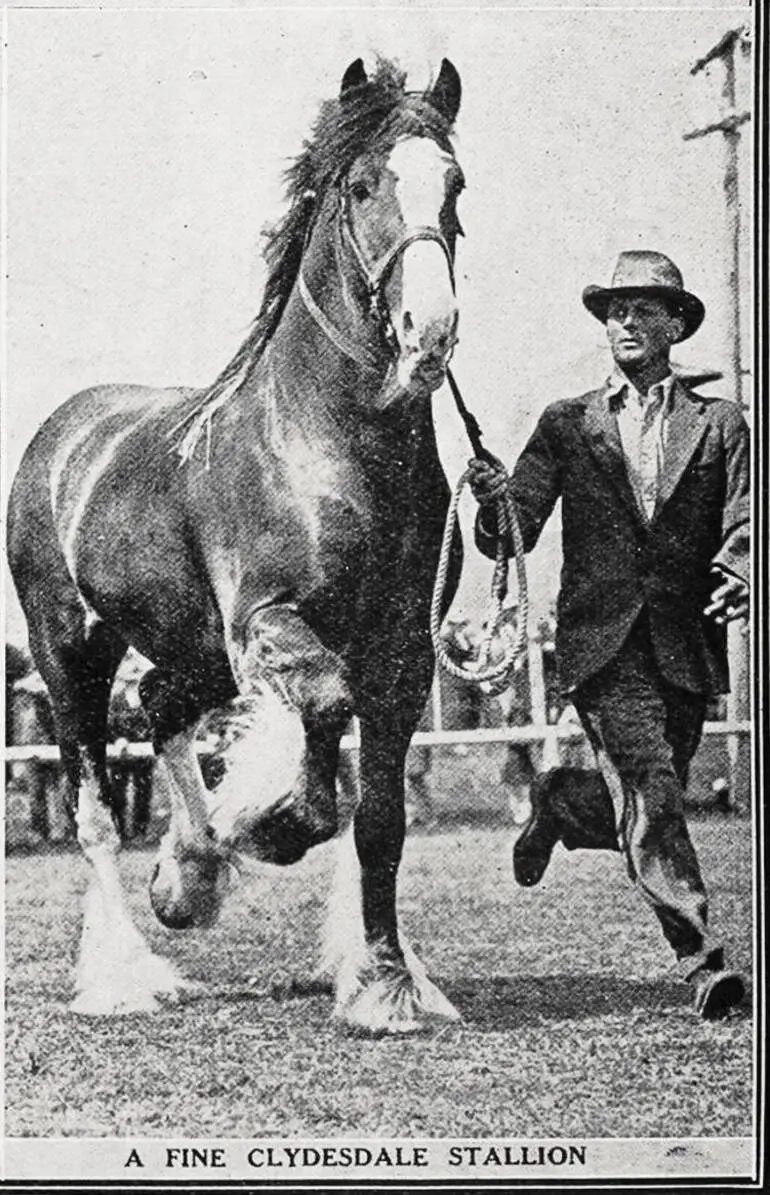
375,275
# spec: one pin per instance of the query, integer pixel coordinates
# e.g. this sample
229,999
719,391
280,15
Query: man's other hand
730,598
487,479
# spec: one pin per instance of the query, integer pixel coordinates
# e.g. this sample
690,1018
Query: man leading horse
654,483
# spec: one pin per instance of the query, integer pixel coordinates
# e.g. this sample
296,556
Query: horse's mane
342,131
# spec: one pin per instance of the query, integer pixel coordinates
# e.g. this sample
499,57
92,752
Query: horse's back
95,419
71,451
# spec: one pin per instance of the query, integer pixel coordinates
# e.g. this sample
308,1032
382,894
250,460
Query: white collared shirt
643,427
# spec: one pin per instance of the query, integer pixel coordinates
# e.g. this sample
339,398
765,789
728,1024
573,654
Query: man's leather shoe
716,992
532,849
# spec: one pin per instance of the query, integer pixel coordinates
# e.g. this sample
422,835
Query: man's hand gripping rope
488,480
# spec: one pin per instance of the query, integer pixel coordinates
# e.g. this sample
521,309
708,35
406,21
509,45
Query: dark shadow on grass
509,1002
279,991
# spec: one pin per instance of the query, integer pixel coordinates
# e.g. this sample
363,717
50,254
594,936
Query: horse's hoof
118,983
101,1004
396,1004
188,887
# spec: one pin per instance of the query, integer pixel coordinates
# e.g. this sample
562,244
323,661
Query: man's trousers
645,732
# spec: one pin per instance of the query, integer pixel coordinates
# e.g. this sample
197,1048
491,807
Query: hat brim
597,299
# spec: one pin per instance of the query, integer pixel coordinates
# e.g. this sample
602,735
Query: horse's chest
350,527
340,541
375,553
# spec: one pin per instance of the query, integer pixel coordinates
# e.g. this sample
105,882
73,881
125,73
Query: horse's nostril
408,322
442,344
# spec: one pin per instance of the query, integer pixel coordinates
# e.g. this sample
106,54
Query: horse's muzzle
430,372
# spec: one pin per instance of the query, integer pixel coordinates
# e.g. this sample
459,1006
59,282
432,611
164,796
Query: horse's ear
446,91
355,76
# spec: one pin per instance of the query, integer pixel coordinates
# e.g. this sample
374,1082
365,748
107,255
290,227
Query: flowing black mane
343,129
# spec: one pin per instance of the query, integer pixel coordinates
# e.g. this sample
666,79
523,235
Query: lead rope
492,678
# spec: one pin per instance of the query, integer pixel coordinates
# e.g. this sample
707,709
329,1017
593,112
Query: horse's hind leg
116,972
192,870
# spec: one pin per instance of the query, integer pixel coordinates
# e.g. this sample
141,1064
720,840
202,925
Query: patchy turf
573,1023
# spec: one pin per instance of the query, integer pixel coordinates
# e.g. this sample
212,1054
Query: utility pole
729,125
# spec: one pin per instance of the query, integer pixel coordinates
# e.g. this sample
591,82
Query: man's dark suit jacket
616,562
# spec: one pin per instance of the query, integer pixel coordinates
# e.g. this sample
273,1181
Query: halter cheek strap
375,275
339,339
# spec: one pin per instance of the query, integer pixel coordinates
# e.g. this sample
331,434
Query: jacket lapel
686,426
601,427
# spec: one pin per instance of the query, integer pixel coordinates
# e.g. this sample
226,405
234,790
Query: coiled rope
492,678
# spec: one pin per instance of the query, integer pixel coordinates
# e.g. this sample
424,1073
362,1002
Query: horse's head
367,247
378,274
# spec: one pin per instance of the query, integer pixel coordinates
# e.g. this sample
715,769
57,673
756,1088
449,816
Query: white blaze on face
419,292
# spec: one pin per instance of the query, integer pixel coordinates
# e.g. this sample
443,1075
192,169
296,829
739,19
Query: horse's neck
333,394
321,384
327,323
307,397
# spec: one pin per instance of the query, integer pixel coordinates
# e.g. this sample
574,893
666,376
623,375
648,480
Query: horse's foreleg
299,706
381,986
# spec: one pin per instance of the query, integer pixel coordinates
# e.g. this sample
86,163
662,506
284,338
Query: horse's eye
359,191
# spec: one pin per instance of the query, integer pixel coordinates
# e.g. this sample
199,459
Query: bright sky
145,151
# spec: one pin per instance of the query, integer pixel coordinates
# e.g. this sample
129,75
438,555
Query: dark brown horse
271,543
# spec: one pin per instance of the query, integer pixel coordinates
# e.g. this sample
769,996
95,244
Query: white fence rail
535,733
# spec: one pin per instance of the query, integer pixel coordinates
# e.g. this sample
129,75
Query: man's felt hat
644,272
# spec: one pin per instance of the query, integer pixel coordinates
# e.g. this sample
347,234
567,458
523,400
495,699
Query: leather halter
375,275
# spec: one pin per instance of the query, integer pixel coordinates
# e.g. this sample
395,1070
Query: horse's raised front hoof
284,837
189,885
395,1003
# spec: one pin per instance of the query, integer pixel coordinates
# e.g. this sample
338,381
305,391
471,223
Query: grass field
573,1024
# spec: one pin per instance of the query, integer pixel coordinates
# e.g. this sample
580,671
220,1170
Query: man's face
641,330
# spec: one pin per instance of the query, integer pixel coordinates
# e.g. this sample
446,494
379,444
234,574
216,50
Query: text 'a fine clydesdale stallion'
270,545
